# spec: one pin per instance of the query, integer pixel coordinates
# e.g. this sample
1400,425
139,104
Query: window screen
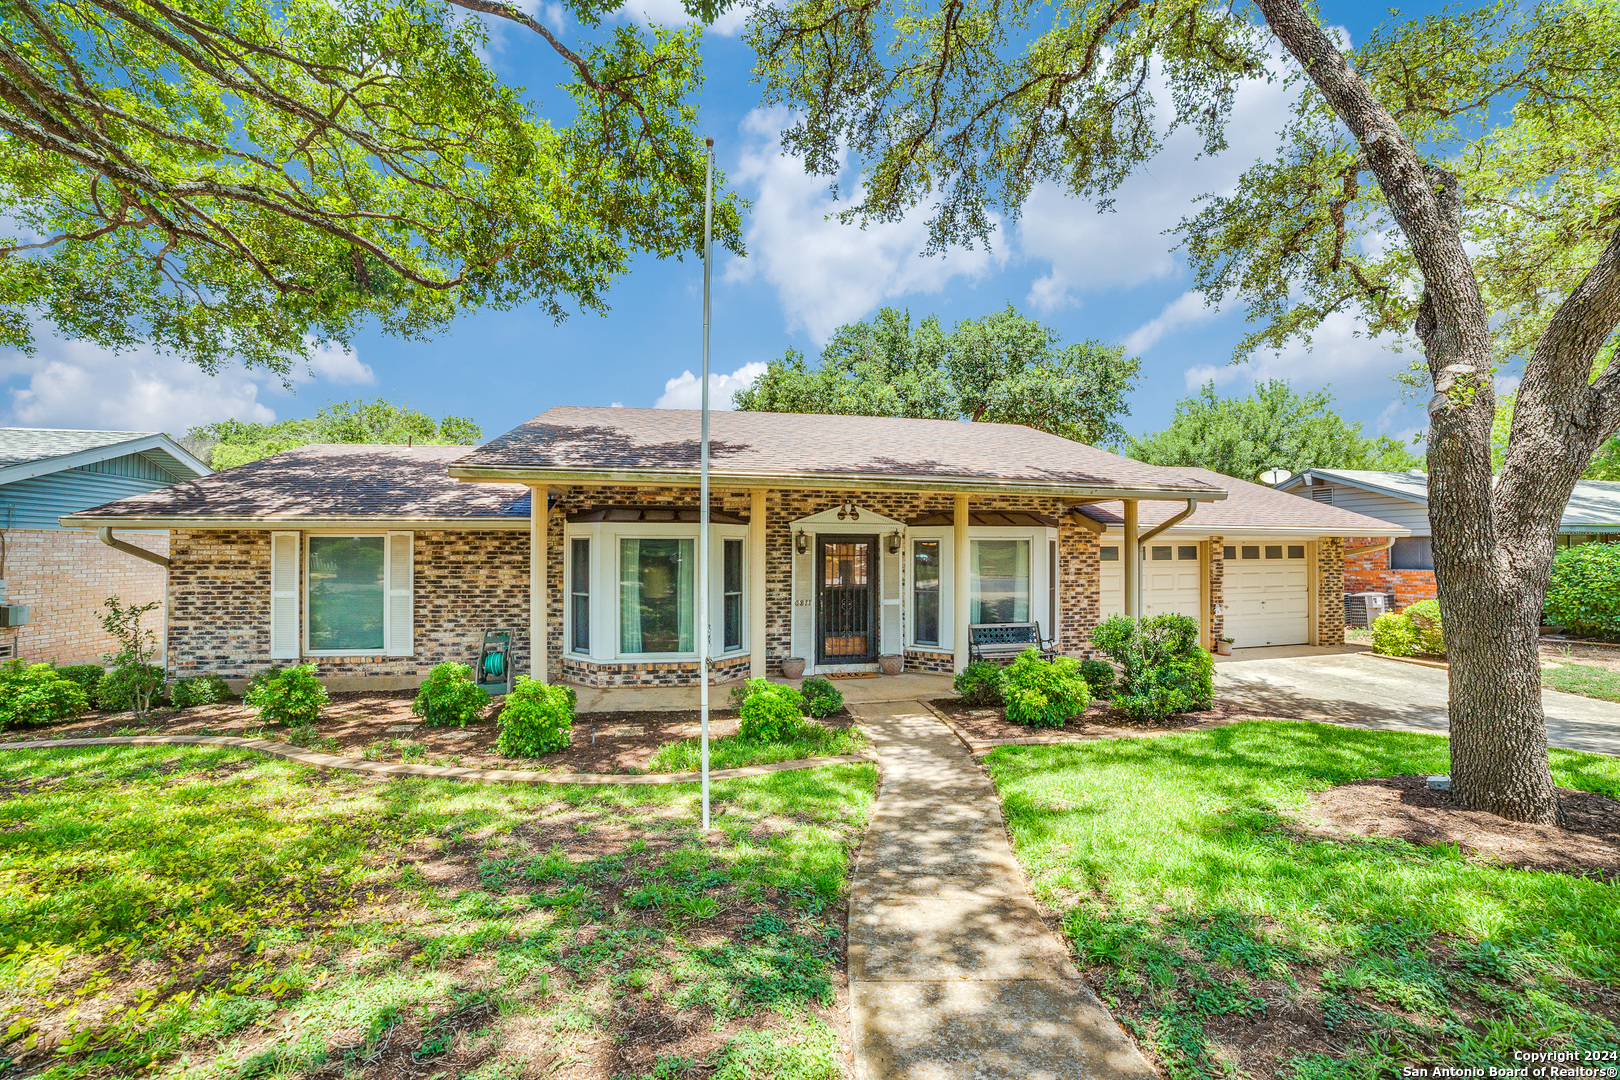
1412,553
346,594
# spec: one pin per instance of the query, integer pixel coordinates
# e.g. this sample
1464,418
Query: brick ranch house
62,575
1404,566
836,539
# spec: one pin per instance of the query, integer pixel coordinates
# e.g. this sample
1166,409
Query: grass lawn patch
169,911
811,739
1587,680
1229,942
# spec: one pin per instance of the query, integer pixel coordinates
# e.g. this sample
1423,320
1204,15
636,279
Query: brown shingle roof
1249,507
755,446
330,480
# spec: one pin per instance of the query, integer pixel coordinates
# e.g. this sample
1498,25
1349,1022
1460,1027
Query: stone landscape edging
438,772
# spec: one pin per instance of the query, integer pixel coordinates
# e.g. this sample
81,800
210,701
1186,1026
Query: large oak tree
1451,176
245,179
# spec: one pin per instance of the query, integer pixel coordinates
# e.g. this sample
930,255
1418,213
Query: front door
846,600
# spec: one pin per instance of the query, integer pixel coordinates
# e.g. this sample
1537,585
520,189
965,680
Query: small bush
1425,619
1164,668
1583,595
1099,676
199,690
536,719
770,711
291,696
36,694
449,696
981,685
821,697
85,675
1410,632
1045,693
130,686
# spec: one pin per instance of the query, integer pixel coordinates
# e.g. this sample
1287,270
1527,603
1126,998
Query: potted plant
1223,646
793,667
893,664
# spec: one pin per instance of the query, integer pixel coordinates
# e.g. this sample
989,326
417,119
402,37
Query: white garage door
1169,579
1266,593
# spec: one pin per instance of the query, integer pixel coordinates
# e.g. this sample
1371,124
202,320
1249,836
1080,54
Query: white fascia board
1190,529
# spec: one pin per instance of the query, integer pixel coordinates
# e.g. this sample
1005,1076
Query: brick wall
466,582
1217,587
1330,591
63,575
1370,572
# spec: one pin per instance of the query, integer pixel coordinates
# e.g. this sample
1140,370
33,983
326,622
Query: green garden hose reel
493,671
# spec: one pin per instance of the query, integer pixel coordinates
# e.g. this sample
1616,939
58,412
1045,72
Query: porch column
964,582
1133,562
538,520
756,583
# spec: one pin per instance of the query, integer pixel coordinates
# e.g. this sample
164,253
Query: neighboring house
1406,568
835,539
63,575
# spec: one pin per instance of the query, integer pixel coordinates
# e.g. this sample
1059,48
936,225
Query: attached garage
1173,578
1267,592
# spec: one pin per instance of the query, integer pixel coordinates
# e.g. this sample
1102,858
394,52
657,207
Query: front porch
911,686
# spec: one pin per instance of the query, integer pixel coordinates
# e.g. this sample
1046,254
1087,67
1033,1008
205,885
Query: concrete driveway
1364,690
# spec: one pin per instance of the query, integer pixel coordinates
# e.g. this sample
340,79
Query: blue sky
1109,276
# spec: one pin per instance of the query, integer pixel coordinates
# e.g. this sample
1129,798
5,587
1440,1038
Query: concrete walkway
952,973
1364,690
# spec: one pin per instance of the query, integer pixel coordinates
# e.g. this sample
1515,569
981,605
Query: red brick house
834,539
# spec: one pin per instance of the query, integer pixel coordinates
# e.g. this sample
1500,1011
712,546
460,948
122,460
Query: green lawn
1231,945
733,751
1584,679
176,912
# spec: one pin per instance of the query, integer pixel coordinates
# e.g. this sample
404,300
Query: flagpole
703,482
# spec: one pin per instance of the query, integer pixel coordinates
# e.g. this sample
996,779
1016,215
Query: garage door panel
1267,601
1168,585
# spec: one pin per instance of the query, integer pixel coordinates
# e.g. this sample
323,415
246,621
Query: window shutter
284,595
401,614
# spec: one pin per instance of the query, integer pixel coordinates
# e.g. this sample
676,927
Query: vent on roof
1322,494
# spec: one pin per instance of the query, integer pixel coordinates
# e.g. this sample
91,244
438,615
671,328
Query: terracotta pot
892,665
793,667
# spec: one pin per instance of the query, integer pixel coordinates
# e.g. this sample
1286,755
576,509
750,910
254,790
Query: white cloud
74,384
1357,366
685,391
1188,309
827,273
673,13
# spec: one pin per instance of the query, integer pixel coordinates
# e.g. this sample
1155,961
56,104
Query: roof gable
29,452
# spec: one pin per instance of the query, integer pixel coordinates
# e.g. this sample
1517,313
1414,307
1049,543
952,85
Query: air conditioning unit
13,615
1361,608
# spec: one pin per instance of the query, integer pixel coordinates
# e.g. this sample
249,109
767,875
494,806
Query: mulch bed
1099,719
381,726
1403,808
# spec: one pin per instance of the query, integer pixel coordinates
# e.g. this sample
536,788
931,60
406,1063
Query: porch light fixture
801,541
848,511
894,542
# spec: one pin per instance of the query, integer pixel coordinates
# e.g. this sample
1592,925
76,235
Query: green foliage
1412,631
770,712
226,444
1274,427
124,685
35,694
981,685
291,696
1099,676
1164,670
1045,693
449,696
1003,368
87,676
235,180
536,719
1583,595
821,697
199,690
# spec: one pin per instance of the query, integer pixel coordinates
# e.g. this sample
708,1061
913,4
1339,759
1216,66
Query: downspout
130,549
1136,553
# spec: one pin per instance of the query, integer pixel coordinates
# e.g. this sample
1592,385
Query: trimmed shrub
770,711
536,719
291,696
1425,619
449,696
1410,632
85,675
35,694
1583,596
1099,676
821,697
1045,693
199,690
982,685
128,686
1165,669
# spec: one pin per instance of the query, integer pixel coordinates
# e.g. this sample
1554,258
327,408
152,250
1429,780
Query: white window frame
945,535
389,646
573,648
1038,568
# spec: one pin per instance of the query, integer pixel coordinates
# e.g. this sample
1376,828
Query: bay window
579,594
731,596
1000,581
657,595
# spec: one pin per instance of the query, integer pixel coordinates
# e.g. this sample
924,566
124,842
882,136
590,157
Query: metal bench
1004,641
